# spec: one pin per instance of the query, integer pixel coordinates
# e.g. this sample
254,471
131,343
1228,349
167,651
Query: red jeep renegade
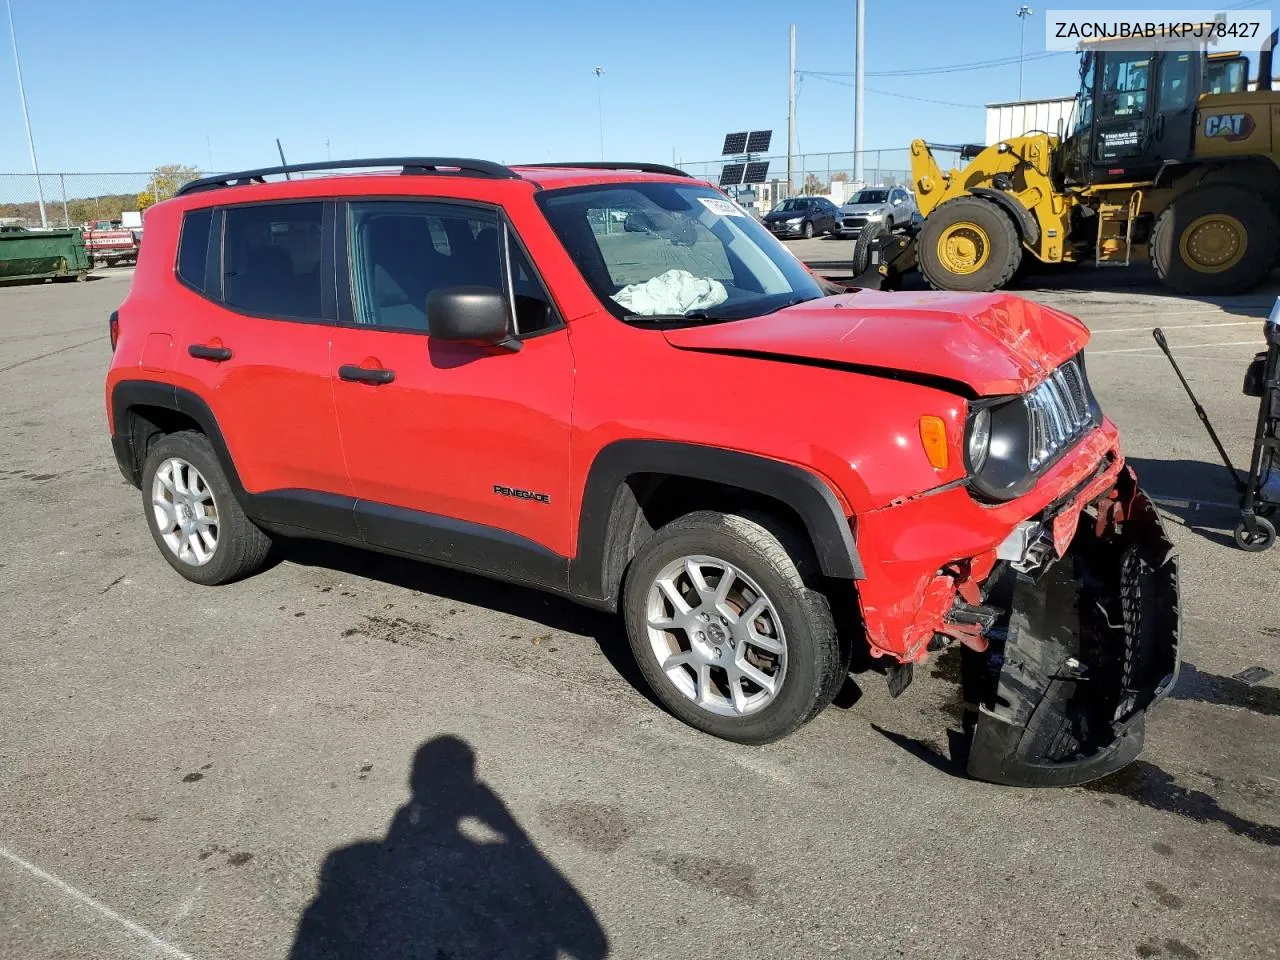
608,381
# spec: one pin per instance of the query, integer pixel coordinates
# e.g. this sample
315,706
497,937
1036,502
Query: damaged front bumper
1082,648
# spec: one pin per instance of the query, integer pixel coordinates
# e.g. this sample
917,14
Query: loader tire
862,249
1216,239
968,244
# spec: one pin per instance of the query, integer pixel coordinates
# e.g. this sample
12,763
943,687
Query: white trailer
1005,120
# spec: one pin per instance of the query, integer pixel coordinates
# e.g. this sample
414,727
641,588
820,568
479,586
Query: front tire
808,230
193,513
862,248
726,631
968,244
1217,239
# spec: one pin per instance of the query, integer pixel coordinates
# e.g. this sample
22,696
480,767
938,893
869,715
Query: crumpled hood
992,343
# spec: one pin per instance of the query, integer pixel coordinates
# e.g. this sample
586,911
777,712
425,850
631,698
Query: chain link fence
814,173
74,199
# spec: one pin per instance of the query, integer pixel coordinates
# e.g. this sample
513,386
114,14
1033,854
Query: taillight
113,328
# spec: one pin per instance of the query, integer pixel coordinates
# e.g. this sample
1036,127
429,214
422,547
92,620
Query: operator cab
1136,110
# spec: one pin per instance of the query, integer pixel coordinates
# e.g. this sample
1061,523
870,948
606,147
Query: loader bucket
1080,654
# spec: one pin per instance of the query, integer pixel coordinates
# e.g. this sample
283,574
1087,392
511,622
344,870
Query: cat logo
1229,126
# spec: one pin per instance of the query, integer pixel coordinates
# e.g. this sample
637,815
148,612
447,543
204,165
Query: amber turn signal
933,436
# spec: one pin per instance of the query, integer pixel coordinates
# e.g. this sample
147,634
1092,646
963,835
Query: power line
900,96
953,68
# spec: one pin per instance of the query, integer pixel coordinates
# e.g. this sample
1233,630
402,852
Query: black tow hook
973,615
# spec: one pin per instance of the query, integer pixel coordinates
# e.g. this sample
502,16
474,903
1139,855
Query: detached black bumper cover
1083,652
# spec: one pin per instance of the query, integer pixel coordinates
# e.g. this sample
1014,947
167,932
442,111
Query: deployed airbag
674,292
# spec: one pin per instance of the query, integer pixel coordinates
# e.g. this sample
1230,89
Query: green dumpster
31,254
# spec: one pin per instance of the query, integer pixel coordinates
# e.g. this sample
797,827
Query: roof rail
609,165
442,166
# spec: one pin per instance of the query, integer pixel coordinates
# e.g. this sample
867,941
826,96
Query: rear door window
271,259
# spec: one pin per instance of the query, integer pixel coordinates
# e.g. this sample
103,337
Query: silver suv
894,206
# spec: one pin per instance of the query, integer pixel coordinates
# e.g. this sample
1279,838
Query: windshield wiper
668,317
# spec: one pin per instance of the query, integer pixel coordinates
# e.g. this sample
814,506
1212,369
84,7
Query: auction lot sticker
722,208
1142,30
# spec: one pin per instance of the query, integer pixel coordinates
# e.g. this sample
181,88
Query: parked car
802,217
893,206
448,362
110,243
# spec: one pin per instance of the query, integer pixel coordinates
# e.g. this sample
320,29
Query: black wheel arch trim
152,393
608,511
1028,227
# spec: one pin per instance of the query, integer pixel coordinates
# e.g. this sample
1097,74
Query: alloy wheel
186,513
716,635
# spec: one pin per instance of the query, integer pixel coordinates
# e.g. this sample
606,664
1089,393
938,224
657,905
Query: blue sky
129,85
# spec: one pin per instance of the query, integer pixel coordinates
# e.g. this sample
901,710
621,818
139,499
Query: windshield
790,204
870,196
674,251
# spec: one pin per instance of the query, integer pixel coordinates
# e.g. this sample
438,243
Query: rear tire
1217,239
968,244
193,514
791,640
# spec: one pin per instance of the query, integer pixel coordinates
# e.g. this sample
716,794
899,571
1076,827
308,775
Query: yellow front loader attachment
981,221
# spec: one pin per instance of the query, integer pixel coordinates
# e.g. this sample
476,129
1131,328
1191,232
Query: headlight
795,220
875,215
1023,435
979,443
997,446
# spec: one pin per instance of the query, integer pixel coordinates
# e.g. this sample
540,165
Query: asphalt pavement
358,755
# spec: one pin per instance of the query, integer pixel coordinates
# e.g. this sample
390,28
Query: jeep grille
1060,411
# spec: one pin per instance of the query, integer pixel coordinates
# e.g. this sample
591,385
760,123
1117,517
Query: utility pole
22,95
599,72
1023,12
791,113
860,17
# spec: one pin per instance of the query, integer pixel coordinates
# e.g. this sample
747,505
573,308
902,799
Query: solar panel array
757,171
731,174
758,141
734,144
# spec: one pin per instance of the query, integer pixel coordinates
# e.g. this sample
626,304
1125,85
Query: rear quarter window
193,248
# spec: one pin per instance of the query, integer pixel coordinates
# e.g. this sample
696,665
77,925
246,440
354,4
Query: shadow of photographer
455,877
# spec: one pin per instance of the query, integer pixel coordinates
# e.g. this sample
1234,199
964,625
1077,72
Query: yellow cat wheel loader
1169,158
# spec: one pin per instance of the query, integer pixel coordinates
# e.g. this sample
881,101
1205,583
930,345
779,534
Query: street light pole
1023,12
599,72
860,18
22,95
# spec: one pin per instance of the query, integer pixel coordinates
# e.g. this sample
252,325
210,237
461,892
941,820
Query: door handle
373,375
202,351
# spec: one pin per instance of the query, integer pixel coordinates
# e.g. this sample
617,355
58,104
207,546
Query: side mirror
470,315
